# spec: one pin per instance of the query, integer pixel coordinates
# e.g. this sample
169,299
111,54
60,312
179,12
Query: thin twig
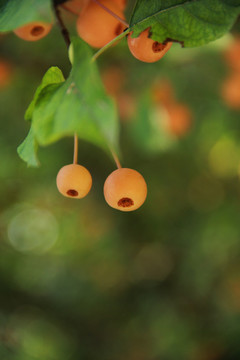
61,25
67,40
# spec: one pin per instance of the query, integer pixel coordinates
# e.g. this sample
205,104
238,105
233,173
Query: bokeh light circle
33,230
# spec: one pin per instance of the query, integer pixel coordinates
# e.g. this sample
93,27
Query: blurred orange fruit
163,92
232,54
126,106
5,73
231,91
180,119
113,79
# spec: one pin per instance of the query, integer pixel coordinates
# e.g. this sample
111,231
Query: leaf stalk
109,44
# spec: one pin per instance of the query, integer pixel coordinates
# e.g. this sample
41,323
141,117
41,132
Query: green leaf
27,150
192,23
53,76
15,13
78,105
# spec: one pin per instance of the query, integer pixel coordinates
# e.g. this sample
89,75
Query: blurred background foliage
79,280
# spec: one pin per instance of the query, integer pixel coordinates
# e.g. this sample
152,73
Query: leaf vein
197,18
163,11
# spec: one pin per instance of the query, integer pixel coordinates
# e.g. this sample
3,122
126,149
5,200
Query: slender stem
61,25
67,40
111,13
108,45
116,159
75,151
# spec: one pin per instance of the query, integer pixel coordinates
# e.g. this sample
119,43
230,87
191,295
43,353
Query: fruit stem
116,159
108,45
111,13
75,152
60,23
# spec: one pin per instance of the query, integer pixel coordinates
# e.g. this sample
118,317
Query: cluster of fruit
99,22
231,85
115,80
175,117
124,189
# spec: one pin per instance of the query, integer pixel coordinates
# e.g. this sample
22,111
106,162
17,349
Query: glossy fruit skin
96,26
121,3
33,31
74,181
231,91
125,189
145,49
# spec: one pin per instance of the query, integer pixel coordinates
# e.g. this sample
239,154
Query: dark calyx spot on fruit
158,47
37,30
72,193
125,202
119,29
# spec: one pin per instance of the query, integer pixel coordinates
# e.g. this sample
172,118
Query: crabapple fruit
145,49
125,189
74,181
96,26
33,31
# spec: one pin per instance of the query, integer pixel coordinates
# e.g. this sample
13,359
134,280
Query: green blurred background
80,280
